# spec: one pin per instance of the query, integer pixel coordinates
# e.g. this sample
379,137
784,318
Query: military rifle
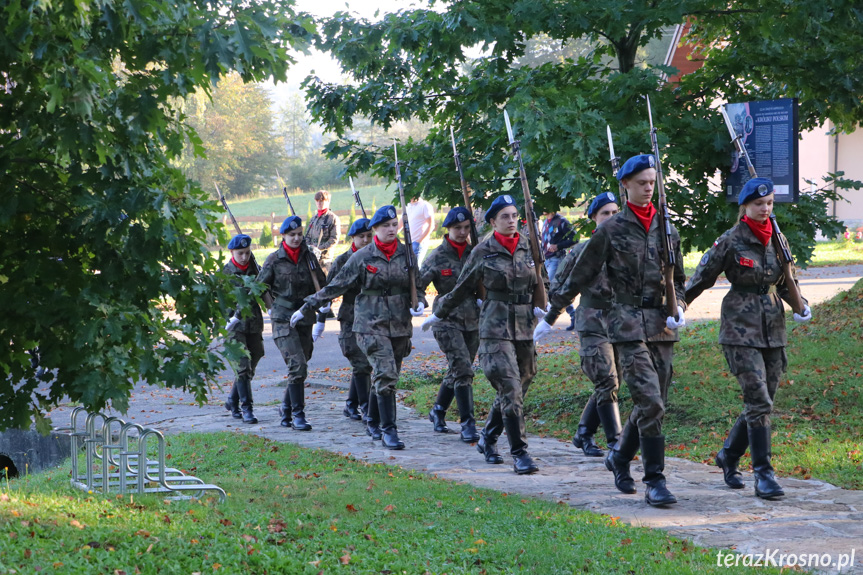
474,236
785,257
267,297
664,224
409,251
357,200
615,164
540,297
312,267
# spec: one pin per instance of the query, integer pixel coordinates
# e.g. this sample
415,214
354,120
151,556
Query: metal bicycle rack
115,459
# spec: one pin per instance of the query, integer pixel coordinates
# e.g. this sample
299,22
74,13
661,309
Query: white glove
478,302
541,329
672,323
232,323
318,330
807,315
297,317
430,321
539,312
326,308
418,312
316,251
548,307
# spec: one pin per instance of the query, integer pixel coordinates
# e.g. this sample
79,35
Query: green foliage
266,238
418,64
104,267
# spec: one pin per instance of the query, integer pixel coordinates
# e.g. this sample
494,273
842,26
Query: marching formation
497,296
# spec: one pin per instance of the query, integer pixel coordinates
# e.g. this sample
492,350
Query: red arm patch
446,272
371,268
747,263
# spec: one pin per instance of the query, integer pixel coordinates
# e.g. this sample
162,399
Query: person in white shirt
421,221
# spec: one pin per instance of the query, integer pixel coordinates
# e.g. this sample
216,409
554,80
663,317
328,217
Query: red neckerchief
644,215
509,243
762,231
459,247
353,247
387,249
321,213
293,253
241,268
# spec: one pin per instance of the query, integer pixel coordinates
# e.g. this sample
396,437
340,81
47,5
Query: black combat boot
583,438
373,419
729,456
298,406
766,486
351,403
437,415
653,458
464,400
523,463
285,409
390,432
618,459
362,385
244,393
609,416
232,404
571,311
487,444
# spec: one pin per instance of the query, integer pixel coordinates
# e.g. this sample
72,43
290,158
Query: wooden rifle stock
474,236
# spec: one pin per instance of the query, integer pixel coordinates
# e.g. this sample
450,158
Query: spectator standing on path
752,329
458,335
247,331
557,236
324,230
286,272
421,221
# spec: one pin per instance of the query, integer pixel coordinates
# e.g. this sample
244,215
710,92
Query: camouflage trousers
460,348
646,369
352,352
600,363
385,355
510,367
254,344
295,345
758,370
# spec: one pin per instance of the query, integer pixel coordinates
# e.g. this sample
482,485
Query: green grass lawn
292,510
341,201
832,253
818,419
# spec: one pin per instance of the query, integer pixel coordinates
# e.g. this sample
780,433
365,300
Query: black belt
384,292
594,303
757,290
509,297
288,304
637,301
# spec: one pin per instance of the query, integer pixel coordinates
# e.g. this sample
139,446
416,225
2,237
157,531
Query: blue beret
636,164
456,216
383,215
755,188
497,205
239,242
290,223
359,226
599,201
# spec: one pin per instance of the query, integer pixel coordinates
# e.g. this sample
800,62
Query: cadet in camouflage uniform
324,230
752,331
599,358
504,266
630,247
247,331
458,335
382,316
286,272
357,403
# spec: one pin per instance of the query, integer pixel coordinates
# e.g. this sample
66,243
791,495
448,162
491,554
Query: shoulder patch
705,258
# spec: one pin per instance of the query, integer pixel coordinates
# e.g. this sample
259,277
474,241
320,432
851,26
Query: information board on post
770,132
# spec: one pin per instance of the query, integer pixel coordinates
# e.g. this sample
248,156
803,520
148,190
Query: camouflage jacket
748,318
633,263
328,229
591,315
254,320
442,267
503,276
346,310
290,283
382,304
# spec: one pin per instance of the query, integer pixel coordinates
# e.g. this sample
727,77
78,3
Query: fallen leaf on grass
351,508
76,523
389,508
626,541
345,559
